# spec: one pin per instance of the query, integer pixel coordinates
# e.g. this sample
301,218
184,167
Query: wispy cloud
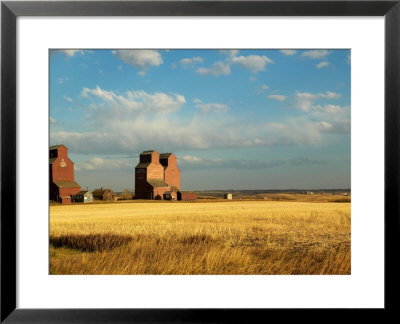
197,163
278,97
303,161
288,52
190,162
142,60
190,62
230,53
316,54
68,52
254,63
211,107
322,65
62,80
217,69
262,88
305,101
133,101
98,163
124,123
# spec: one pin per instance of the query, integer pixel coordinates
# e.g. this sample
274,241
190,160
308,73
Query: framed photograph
195,161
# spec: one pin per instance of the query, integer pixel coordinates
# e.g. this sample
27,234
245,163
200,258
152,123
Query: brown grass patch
90,242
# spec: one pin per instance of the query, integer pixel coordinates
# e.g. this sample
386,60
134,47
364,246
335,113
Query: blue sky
236,119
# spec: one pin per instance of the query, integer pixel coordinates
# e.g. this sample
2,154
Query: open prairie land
203,237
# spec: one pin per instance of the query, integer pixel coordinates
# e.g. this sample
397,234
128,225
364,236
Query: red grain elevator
156,174
61,175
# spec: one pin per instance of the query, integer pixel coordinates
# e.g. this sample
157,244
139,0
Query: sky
235,119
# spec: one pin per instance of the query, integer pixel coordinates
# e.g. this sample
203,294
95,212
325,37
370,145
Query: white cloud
230,53
98,92
217,69
191,158
254,63
62,80
253,79
133,101
322,64
131,133
209,107
302,161
278,97
196,163
189,62
316,54
68,52
328,108
97,163
68,98
288,52
262,88
52,120
140,59
304,100
127,123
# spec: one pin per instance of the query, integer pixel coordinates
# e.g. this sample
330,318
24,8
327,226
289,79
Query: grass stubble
236,237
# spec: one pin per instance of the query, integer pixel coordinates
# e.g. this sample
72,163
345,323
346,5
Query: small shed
83,196
228,196
103,194
187,195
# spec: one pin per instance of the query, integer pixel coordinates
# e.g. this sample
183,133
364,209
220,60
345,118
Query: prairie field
203,237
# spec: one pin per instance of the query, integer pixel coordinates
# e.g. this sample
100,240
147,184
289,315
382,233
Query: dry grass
236,237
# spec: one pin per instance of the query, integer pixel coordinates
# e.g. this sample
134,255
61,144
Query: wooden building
103,194
155,175
61,175
83,196
187,195
228,196
172,174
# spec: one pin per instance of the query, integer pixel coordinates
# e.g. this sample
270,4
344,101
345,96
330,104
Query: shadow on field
90,242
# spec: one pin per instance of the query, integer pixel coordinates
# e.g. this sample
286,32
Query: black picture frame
10,10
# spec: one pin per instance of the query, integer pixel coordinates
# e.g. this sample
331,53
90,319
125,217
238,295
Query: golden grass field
203,237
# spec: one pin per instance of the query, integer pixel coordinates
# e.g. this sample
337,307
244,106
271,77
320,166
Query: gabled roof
66,184
82,192
147,152
165,155
143,165
56,146
100,192
157,183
